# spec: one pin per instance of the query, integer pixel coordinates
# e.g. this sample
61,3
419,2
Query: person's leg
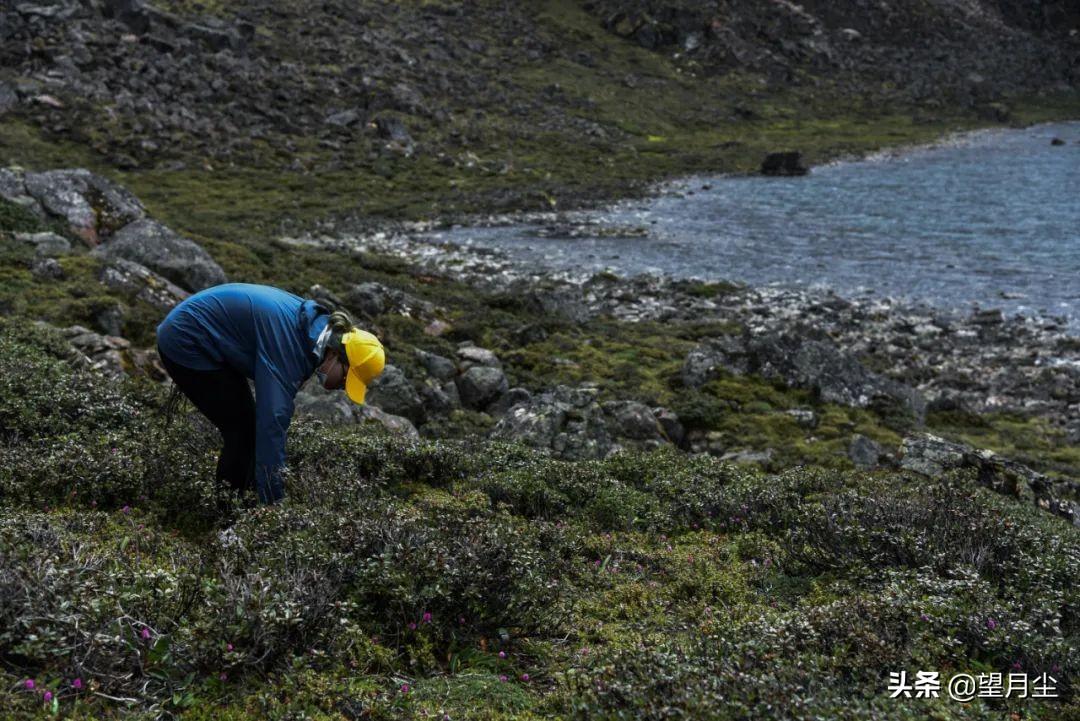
223,396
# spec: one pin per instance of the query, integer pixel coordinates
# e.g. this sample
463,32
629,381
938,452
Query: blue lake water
990,218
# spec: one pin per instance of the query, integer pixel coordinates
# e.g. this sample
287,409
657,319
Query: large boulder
713,356
93,207
439,367
159,248
834,376
932,456
394,393
479,386
142,283
566,422
470,355
633,420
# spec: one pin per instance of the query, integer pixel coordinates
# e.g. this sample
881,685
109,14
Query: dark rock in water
864,452
438,366
154,245
989,316
479,386
393,393
508,400
932,456
1057,141
786,164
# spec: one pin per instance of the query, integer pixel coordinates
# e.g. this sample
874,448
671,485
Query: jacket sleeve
273,412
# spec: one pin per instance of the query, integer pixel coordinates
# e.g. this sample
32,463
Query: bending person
215,340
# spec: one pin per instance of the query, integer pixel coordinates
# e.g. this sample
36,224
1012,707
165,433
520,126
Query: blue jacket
265,333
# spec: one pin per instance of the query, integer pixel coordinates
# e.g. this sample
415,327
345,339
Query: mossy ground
483,581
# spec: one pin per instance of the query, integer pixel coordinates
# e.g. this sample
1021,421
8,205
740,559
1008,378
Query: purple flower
29,683
426,618
461,620
1016,666
991,624
924,617
404,688
48,696
223,676
524,677
77,684
145,633
502,677
502,654
228,647
412,625
126,509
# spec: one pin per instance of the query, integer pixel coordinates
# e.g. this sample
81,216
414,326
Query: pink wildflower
404,688
524,677
502,654
29,683
145,633
126,509
426,618
223,676
412,625
48,696
77,684
1016,666
991,624
228,647
502,677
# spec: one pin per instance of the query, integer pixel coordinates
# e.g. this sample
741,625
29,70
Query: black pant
224,397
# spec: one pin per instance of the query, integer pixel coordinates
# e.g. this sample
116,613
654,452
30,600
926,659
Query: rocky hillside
492,104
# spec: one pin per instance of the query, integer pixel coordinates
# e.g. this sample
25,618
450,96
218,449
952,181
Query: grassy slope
629,588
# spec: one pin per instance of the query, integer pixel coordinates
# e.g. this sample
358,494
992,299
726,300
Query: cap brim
355,387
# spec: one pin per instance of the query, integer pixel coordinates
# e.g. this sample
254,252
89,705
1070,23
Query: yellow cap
366,361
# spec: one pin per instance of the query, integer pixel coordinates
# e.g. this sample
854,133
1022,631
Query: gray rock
334,410
343,119
804,417
438,366
47,269
143,283
394,393
392,424
633,420
157,247
479,386
104,353
834,376
672,428
566,422
747,455
471,356
705,362
864,452
8,98
437,401
508,400
110,320
46,244
94,207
